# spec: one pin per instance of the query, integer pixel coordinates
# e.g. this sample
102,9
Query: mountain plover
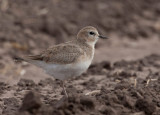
68,59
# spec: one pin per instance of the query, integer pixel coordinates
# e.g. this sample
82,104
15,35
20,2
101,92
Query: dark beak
103,37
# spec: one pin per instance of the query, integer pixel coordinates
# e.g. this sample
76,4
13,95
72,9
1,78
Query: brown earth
124,78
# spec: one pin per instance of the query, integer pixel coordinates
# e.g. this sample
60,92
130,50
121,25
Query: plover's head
89,35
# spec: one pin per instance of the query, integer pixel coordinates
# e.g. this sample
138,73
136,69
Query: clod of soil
146,105
31,102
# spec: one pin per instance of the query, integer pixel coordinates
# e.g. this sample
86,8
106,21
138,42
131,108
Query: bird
69,59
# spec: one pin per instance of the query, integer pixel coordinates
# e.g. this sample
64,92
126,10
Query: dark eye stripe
91,33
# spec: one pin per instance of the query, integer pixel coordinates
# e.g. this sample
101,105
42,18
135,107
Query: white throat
92,44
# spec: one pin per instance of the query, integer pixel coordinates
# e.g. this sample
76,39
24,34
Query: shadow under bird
69,59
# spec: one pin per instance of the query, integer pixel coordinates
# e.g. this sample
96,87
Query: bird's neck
87,44
87,48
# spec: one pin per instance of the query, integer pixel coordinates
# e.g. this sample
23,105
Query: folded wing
59,54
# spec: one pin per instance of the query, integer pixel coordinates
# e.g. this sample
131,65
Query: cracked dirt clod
31,102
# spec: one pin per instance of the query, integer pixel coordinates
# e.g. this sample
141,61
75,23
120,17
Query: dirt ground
124,78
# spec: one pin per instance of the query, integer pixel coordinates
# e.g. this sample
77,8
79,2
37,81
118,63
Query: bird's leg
64,90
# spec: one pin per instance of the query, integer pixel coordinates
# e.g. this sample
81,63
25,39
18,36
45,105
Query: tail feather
28,58
35,57
18,59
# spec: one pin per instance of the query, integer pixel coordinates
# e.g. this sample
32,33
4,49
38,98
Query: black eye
91,33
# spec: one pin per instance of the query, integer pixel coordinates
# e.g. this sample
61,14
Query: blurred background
29,26
133,26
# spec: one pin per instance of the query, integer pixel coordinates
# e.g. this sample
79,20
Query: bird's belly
63,72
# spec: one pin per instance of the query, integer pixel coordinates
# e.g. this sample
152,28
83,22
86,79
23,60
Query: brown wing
59,54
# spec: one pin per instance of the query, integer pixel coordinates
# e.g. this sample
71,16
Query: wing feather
59,54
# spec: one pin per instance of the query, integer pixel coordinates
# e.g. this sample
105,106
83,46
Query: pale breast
63,72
